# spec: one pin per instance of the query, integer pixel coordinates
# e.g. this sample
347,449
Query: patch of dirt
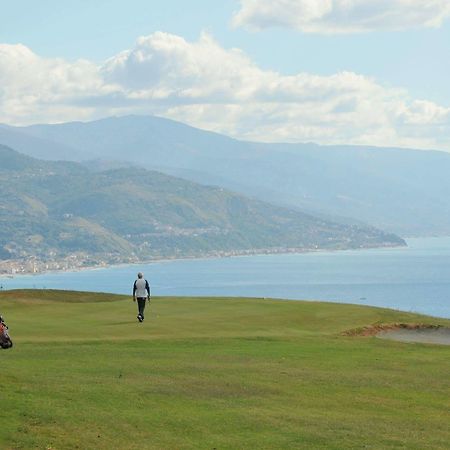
373,330
405,332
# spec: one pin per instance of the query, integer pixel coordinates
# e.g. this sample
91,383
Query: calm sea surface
415,279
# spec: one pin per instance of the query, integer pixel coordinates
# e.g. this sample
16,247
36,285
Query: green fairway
215,373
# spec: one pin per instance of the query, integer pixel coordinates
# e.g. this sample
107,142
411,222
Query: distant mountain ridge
60,208
403,191
38,147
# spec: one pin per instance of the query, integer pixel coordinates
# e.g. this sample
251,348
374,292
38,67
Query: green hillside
404,191
58,208
224,373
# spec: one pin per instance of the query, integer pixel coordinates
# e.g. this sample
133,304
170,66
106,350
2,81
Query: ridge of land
61,215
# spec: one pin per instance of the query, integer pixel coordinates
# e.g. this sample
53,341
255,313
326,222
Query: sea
415,278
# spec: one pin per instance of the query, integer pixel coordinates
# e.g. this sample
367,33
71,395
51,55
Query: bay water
415,278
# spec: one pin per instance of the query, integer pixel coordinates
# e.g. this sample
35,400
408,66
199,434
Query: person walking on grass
141,292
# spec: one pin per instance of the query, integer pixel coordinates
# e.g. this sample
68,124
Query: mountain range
402,191
51,209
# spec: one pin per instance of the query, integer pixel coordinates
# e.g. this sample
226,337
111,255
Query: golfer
141,292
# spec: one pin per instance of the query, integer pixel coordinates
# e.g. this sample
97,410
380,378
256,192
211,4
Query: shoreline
219,255
336,276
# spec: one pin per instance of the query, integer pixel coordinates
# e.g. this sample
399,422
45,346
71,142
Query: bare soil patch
405,332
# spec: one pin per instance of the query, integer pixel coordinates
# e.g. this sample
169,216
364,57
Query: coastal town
81,261
32,265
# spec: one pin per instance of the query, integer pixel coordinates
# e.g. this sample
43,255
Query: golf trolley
5,340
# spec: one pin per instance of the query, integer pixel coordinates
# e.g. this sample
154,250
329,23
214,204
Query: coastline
207,256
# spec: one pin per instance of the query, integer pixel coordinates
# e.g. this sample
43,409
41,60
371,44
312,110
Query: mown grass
224,373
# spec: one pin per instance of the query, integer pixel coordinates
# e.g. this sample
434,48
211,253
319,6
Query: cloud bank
341,16
218,89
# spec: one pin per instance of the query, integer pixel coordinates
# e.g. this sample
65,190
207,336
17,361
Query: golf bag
5,340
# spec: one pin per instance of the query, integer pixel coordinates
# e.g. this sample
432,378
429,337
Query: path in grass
214,373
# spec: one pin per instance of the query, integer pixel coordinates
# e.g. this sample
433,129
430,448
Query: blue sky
400,53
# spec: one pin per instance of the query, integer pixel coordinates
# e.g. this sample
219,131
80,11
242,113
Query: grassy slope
134,210
214,373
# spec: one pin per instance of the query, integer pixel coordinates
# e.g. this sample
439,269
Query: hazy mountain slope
170,143
63,207
38,147
405,191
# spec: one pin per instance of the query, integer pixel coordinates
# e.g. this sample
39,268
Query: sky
368,72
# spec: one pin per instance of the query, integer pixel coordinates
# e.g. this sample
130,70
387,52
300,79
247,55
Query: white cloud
219,89
342,16
164,66
34,88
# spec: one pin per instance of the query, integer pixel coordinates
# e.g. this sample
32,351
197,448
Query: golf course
216,373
